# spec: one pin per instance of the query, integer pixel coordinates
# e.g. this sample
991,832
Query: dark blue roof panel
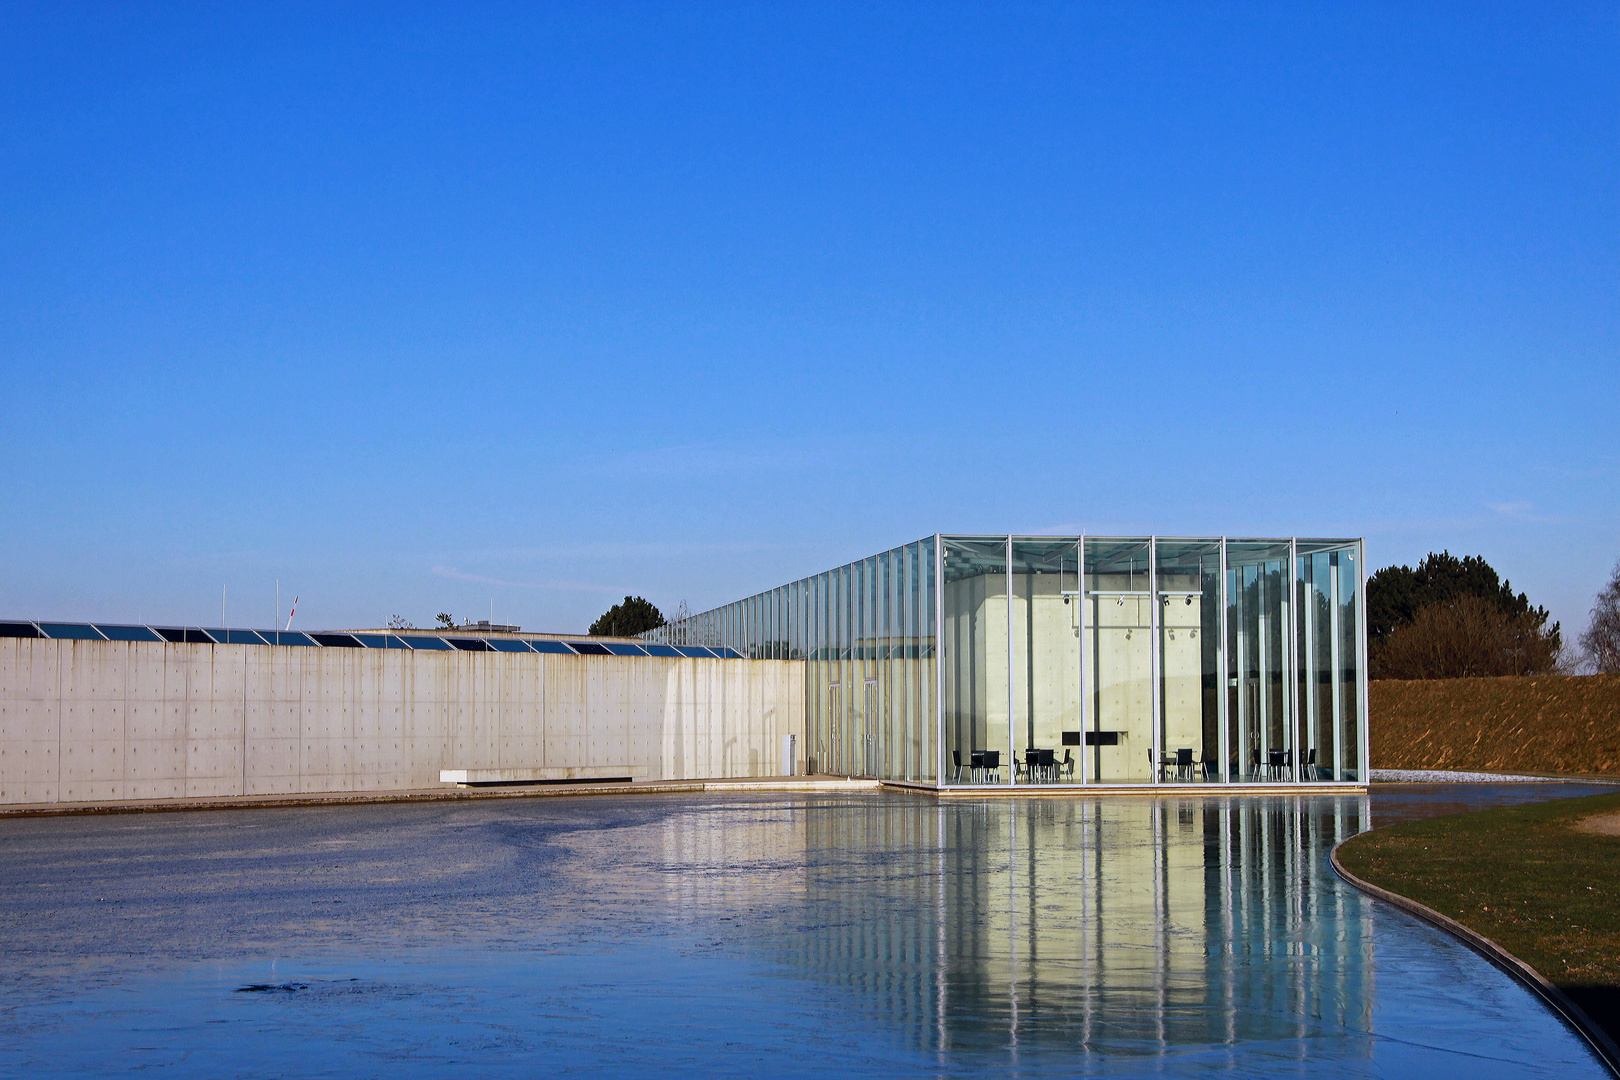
127,633
71,631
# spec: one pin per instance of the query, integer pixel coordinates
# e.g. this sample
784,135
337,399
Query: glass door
1119,744
1046,730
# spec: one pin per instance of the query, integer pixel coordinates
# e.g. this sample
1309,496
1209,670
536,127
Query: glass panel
335,641
1349,753
928,708
1045,659
243,637
1119,650
507,645
124,633
71,631
431,643
551,647
18,630
1259,715
1328,661
625,650
662,650
589,648
1189,573
293,637
974,624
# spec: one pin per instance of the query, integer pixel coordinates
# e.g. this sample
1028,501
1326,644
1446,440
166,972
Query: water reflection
1056,933
1103,926
884,934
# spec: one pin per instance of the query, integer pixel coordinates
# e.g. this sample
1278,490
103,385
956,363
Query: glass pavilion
1079,660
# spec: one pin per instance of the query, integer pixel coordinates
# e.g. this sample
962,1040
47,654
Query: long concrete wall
87,721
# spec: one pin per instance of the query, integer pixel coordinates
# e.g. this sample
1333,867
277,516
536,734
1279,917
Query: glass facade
1058,661
866,632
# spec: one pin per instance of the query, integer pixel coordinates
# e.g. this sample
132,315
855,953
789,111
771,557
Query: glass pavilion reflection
1057,661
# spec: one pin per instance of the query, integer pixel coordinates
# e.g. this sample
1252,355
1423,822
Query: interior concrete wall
88,721
1117,651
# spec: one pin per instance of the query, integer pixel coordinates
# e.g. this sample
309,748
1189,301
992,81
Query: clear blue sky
420,308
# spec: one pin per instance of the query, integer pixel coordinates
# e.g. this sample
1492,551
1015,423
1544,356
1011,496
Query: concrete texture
94,721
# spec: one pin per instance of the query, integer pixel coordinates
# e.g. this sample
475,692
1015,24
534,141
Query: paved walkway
1441,776
446,792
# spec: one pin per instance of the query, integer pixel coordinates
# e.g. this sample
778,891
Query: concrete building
966,661
93,713
953,663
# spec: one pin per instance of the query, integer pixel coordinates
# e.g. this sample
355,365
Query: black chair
1208,767
1310,765
956,759
1048,765
1276,761
1184,763
1254,763
975,763
1068,763
992,765
1032,765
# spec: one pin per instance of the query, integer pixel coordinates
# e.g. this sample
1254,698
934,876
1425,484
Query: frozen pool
789,935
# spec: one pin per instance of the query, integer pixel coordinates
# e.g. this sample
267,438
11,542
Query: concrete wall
1117,651
84,721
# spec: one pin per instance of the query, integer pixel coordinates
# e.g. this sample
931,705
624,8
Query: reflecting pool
885,933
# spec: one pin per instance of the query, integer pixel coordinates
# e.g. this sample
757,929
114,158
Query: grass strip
1522,876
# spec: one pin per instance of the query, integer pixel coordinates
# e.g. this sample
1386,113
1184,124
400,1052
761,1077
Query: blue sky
420,309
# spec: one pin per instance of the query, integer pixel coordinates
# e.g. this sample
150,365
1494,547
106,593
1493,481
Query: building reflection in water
1118,926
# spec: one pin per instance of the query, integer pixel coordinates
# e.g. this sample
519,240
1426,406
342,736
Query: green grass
1523,877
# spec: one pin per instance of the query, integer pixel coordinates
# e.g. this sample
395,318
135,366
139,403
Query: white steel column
1336,674
1080,598
1291,660
1153,647
1245,721
1312,712
1262,653
939,659
1223,706
1012,769
1364,753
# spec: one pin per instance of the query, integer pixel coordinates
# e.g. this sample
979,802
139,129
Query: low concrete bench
562,774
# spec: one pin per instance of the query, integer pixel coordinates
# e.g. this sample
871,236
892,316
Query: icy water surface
792,935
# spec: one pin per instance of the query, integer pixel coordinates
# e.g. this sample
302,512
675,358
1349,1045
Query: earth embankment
1539,724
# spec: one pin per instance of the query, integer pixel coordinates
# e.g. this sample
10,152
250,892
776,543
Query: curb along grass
1522,886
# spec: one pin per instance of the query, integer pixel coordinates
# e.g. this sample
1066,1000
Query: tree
445,621
633,616
1601,642
1420,627
1467,637
1396,594
400,622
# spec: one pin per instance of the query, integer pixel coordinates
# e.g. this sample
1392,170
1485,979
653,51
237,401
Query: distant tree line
1601,642
633,615
1451,618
